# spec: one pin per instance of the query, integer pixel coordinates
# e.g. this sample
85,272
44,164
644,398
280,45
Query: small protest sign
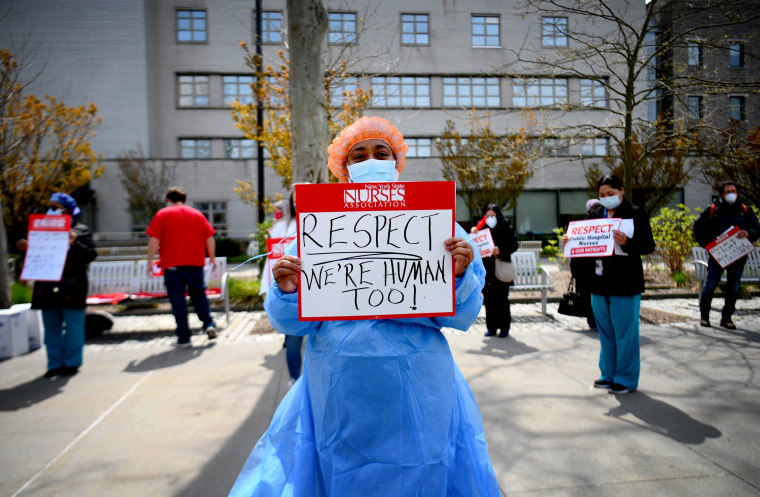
727,248
375,250
591,237
484,241
48,246
276,246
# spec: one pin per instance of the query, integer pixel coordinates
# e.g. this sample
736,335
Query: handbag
504,271
572,303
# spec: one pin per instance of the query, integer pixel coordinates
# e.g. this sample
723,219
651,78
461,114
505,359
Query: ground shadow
167,359
506,348
32,392
118,337
664,418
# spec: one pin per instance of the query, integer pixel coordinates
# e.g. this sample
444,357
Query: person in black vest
496,292
716,219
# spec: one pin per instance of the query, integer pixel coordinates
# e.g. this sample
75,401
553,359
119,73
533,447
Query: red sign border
66,228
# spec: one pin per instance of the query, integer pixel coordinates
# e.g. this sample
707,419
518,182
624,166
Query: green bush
680,278
20,293
673,235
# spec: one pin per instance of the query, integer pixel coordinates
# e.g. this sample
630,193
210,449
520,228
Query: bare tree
145,182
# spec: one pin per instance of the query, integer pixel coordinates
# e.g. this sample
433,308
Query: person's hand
495,251
565,239
742,234
22,244
619,237
286,271
214,265
149,270
72,237
462,253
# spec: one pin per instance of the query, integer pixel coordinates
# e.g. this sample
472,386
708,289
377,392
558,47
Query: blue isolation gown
380,410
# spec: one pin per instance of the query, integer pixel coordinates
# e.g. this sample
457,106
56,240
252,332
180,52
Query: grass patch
244,291
20,293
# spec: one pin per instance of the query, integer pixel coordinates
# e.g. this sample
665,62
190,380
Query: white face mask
610,202
54,212
731,197
373,170
491,221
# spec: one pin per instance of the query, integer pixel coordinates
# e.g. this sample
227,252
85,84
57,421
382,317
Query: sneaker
67,371
184,344
490,333
705,323
211,332
600,383
503,334
727,324
619,389
50,373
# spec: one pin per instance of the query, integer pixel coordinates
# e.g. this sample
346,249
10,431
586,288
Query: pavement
143,418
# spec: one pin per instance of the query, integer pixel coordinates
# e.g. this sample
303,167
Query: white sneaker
211,332
183,345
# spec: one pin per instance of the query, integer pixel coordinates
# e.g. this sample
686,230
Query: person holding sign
284,226
381,408
495,291
718,218
616,286
63,302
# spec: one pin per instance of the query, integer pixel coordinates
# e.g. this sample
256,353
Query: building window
544,92
415,29
736,54
191,26
736,108
554,31
239,148
694,53
193,91
191,148
215,212
271,26
485,31
238,88
555,147
471,92
400,92
595,147
695,107
593,93
419,147
347,85
342,27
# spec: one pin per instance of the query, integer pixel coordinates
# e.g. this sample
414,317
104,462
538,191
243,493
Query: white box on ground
34,328
13,336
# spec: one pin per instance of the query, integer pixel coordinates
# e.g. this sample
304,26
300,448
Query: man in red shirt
183,236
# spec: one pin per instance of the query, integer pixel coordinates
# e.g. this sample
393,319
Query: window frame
595,101
209,214
742,107
265,22
231,144
458,84
689,109
342,41
741,54
401,84
249,99
554,35
336,91
191,30
525,83
415,145
195,94
414,33
485,34
694,44
595,142
196,147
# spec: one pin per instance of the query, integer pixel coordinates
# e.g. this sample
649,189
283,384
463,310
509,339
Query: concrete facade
125,57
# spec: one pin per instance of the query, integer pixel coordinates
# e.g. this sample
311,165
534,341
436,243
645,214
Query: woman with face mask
616,286
381,408
284,225
495,291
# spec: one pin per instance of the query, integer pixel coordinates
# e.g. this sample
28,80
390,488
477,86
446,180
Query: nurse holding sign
381,408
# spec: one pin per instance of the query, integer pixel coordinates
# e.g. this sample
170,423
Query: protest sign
375,250
591,237
484,241
727,248
48,246
276,246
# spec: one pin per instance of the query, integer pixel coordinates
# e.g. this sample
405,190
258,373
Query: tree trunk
5,276
307,25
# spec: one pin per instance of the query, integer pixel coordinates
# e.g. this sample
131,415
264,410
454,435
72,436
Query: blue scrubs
381,409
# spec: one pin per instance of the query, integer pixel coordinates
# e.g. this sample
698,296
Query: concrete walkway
143,418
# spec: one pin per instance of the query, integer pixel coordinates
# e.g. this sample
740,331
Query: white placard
48,246
484,241
728,248
591,237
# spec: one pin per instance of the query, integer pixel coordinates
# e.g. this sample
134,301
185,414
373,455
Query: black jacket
714,222
623,275
71,291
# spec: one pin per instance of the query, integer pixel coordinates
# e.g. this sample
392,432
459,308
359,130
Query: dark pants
187,279
496,301
733,277
293,355
585,293
64,337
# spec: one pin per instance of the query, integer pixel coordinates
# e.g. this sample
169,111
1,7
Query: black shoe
66,371
705,323
600,383
490,333
50,373
503,334
619,389
727,324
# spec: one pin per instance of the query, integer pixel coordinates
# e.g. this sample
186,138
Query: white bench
530,277
751,268
533,246
131,278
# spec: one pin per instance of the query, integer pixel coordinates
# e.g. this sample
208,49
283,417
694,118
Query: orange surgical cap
366,128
